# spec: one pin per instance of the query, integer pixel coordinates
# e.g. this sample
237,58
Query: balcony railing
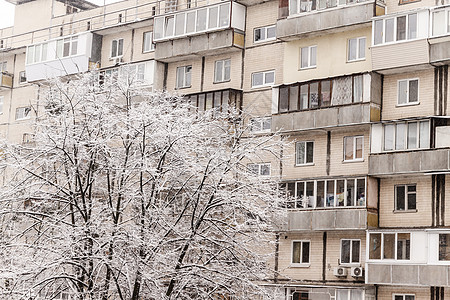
6,80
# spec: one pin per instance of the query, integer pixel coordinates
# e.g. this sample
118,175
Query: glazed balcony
6,80
332,204
300,18
221,100
440,36
207,30
400,42
63,56
325,103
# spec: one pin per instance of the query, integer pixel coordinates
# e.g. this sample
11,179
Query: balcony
308,17
6,80
440,36
221,100
62,56
341,101
418,275
212,29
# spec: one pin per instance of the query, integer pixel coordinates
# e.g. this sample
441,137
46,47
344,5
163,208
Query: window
304,153
394,246
260,124
184,77
298,295
353,148
405,197
261,79
349,294
356,49
408,91
2,99
395,29
219,100
116,48
27,138
222,70
300,252
66,47
262,34
406,135
444,246
350,251
148,42
440,22
23,113
308,57
403,297
3,66
262,169
22,77
36,53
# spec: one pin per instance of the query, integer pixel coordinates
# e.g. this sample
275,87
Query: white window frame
301,263
411,245
147,42
265,31
2,103
354,141
349,294
394,40
351,252
24,76
445,26
25,116
305,163
257,124
219,72
187,77
260,168
358,47
405,186
403,296
3,65
394,136
408,92
309,63
31,57
72,44
265,82
119,50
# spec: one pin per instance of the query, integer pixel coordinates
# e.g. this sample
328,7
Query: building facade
358,88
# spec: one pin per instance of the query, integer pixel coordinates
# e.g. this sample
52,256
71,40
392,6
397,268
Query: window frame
27,116
395,250
394,29
406,135
309,64
265,83
118,44
357,54
2,103
144,43
354,142
266,30
351,252
222,70
186,75
403,296
261,121
305,159
260,166
301,263
20,77
407,209
408,103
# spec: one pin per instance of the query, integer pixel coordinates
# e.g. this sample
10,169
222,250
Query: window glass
30,55
293,98
259,34
361,192
313,55
400,134
304,57
258,79
355,251
304,96
352,48
271,32
44,51
224,15
401,28
190,22
201,19
296,248
345,251
213,16
348,151
169,26
301,151
120,48
389,246
411,189
378,38
320,194
439,22
293,7
413,91
402,92
300,193
350,192
403,246
305,252
201,102
412,135
325,93
314,95
359,147
412,26
389,30
375,246
284,96
269,77
424,134
362,48
158,27
358,88
209,100
310,152
444,246
74,47
37,54
330,193
400,200
179,24
340,192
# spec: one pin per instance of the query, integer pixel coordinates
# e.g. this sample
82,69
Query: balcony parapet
6,80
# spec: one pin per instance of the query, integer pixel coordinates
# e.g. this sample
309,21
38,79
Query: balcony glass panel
395,29
305,6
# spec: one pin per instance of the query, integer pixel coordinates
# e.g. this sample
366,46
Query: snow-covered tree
124,193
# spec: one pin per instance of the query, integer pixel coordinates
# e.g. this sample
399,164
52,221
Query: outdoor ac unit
340,272
357,272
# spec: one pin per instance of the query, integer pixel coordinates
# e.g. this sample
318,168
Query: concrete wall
327,219
418,275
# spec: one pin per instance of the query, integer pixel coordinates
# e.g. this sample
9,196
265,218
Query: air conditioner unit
340,272
357,272
118,60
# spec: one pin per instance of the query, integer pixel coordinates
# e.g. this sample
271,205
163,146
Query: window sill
148,51
395,211
23,119
308,68
183,87
353,161
293,265
349,265
407,2
407,104
305,165
356,60
224,81
264,41
260,87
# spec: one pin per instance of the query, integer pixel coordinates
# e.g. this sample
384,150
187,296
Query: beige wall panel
264,58
235,72
338,166
314,271
195,76
387,292
447,203
331,56
318,169
391,111
389,218
29,11
4,116
138,42
261,15
106,48
19,67
258,103
334,252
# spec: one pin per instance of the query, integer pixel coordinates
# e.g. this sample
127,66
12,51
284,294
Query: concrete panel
351,114
324,220
379,274
198,43
433,275
303,120
434,160
439,52
326,117
164,50
380,164
181,47
350,219
404,274
220,39
282,122
406,162
300,220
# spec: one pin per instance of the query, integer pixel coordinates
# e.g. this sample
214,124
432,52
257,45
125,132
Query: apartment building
358,88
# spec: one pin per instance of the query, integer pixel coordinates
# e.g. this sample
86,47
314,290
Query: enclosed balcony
419,258
399,42
6,80
332,204
62,56
344,100
410,146
212,29
300,18
221,100
440,36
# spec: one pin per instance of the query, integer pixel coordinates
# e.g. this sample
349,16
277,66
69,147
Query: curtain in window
342,91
